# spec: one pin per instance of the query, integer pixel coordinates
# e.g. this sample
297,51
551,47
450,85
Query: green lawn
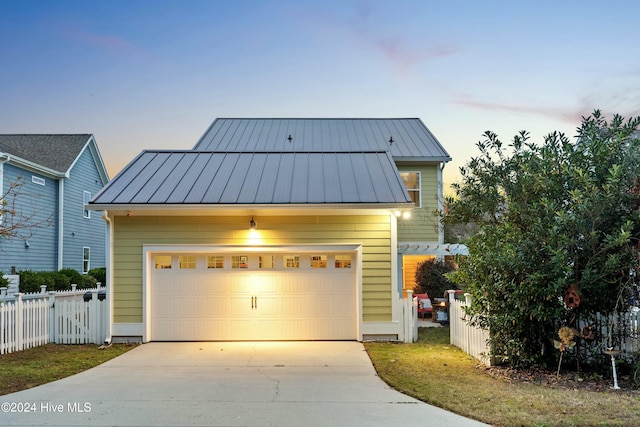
435,372
29,368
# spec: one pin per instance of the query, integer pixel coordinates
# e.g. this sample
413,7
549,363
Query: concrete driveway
226,384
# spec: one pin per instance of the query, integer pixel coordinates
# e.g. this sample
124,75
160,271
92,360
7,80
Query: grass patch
29,368
435,372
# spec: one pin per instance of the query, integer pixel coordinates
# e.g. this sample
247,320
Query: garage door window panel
215,261
187,262
318,261
343,261
163,262
291,261
266,261
239,261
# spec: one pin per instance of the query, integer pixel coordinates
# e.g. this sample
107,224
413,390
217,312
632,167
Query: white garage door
253,297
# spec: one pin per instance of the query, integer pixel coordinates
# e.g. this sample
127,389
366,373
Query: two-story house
55,177
273,229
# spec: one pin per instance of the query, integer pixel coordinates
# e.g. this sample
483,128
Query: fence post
409,321
467,299
93,321
18,325
52,316
73,287
3,292
43,289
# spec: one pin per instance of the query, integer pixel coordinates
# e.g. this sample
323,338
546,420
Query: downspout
440,202
109,277
4,157
60,223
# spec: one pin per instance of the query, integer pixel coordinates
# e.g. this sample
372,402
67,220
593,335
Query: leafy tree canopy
550,216
431,277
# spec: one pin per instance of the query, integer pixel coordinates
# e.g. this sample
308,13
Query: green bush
431,279
87,282
4,282
61,281
100,274
73,275
30,281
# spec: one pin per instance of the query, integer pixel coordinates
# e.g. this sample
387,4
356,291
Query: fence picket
30,320
620,331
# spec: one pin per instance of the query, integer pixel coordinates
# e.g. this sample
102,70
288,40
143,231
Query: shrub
431,279
87,282
61,282
100,274
73,275
30,281
4,282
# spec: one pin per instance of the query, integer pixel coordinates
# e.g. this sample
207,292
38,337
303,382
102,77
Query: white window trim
88,260
86,196
419,189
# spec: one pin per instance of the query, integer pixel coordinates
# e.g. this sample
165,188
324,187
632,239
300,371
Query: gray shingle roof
52,151
411,138
233,178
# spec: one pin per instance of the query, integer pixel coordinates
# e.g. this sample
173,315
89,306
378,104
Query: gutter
272,206
105,217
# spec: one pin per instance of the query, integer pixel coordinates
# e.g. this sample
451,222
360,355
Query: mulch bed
566,380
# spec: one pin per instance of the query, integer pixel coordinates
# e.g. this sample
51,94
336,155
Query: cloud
364,25
568,116
112,43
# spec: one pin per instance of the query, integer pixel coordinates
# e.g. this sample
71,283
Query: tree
431,277
553,217
15,220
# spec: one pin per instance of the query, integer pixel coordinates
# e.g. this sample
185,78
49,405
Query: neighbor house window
266,261
86,196
215,261
163,262
86,260
318,261
291,261
187,262
412,184
343,261
239,261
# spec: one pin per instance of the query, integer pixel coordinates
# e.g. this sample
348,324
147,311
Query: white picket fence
620,331
31,320
470,339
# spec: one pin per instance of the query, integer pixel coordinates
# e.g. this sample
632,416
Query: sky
154,74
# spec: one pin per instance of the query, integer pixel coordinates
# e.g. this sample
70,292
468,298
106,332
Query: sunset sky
155,74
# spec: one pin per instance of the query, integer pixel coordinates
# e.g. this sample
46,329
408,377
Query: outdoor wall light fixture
253,224
403,214
26,244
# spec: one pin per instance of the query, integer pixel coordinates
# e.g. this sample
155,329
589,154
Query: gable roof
411,138
258,178
54,152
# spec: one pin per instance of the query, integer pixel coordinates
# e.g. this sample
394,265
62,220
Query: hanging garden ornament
572,297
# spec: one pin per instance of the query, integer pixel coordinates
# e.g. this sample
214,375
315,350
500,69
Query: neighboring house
60,174
273,229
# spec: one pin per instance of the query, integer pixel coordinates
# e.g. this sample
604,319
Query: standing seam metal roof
261,177
412,139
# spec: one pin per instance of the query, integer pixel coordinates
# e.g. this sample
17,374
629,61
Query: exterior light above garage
403,214
253,225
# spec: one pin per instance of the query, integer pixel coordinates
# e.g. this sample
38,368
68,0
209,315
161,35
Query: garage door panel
245,304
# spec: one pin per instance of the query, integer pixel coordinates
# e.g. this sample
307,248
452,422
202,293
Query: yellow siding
423,224
373,232
409,266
